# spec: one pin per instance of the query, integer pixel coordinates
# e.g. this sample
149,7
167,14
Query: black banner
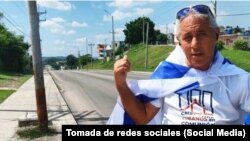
183,132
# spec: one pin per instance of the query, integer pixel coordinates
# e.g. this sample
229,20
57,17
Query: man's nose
195,42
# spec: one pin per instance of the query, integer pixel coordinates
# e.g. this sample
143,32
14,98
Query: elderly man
194,85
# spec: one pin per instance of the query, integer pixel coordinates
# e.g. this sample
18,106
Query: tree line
14,55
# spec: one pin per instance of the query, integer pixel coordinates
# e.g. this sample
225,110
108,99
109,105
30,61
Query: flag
173,76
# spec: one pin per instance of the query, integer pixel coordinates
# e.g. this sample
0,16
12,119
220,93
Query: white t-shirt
225,102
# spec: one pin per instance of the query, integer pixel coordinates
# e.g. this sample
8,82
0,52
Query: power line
242,14
14,24
16,27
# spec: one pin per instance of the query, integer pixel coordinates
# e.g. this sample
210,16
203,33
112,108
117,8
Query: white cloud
121,4
55,4
69,32
120,15
80,42
54,24
59,42
77,24
119,34
165,28
143,11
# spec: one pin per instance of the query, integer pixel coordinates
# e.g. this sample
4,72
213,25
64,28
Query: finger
125,57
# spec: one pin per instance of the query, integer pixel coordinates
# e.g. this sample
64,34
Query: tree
237,30
84,59
162,38
134,31
13,51
71,61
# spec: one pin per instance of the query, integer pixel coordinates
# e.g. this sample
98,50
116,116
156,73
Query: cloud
120,15
163,28
55,4
77,24
121,4
55,26
69,32
59,42
119,34
143,11
80,42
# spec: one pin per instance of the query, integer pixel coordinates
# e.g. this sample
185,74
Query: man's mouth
197,54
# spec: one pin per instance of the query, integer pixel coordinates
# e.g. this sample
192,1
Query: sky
69,26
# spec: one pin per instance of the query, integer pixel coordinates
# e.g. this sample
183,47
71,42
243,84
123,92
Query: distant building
229,39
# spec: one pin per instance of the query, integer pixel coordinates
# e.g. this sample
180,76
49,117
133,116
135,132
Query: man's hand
121,68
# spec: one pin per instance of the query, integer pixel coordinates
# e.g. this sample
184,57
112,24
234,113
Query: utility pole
113,34
143,41
167,34
91,44
79,63
37,66
146,51
87,51
113,38
215,8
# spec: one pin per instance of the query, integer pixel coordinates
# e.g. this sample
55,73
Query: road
90,95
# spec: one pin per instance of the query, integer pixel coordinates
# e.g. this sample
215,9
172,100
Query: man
205,88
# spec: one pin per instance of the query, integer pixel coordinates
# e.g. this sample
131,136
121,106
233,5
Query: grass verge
5,94
34,132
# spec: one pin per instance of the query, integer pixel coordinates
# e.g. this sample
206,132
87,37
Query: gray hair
196,14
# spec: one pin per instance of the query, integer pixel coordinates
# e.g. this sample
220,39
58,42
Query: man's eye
188,38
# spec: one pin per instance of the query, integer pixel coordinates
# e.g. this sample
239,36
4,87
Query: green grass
35,132
156,54
5,94
238,57
12,80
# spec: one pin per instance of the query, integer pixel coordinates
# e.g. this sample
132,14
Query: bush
241,45
219,45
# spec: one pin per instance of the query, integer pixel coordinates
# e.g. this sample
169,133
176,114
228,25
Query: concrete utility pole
87,51
113,34
143,40
215,8
146,51
79,63
37,66
113,38
91,44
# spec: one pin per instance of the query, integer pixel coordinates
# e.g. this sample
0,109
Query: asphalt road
90,95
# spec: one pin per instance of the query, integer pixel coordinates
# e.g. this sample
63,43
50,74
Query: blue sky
69,23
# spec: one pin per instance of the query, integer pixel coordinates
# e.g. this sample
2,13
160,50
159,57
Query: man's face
197,40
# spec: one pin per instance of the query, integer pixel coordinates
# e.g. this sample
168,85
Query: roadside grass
239,57
158,53
5,94
34,132
12,80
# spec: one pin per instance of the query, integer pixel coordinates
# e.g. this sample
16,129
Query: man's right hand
121,68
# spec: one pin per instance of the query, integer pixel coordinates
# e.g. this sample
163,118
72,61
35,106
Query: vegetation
241,44
13,51
238,57
5,94
220,45
71,61
134,31
156,54
35,132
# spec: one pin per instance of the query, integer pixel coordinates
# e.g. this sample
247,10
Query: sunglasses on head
202,9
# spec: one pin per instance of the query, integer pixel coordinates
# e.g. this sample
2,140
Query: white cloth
162,88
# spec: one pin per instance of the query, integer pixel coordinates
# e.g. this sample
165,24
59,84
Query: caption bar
173,131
